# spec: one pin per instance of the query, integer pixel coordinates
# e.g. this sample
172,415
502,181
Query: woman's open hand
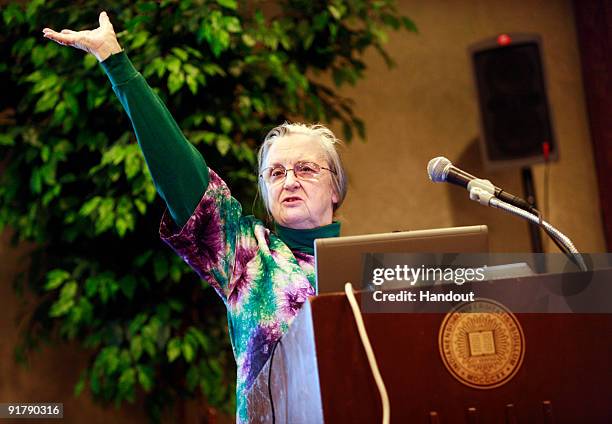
101,42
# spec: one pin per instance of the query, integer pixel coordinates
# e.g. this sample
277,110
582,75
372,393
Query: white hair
328,142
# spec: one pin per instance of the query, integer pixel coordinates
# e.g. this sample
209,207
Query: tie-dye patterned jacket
262,282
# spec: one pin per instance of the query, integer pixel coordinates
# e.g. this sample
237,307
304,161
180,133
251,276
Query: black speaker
516,128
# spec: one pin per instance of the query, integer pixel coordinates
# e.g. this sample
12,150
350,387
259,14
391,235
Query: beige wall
426,107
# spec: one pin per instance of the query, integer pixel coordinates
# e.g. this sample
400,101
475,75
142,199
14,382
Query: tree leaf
145,377
188,352
175,81
160,267
128,286
136,347
223,144
229,4
174,349
12,14
56,278
46,102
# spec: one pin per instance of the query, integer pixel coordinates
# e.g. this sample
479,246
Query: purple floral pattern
261,281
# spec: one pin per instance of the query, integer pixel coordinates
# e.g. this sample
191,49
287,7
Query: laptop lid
340,259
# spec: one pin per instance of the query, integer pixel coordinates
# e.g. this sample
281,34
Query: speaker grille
513,102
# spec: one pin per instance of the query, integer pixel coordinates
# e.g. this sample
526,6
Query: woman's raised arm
178,169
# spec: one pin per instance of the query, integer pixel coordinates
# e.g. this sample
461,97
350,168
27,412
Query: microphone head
437,169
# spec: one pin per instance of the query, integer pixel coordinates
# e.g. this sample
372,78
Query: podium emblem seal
481,343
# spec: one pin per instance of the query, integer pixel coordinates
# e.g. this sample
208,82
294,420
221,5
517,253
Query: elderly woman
263,277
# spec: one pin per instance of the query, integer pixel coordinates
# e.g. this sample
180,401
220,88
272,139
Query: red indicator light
546,150
504,39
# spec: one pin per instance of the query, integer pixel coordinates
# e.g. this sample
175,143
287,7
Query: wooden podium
320,371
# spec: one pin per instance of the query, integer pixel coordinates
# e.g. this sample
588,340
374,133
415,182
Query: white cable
348,289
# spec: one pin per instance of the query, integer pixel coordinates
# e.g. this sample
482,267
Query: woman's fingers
66,38
67,31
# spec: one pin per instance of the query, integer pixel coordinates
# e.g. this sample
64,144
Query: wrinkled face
300,203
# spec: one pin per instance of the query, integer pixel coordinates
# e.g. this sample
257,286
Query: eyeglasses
302,170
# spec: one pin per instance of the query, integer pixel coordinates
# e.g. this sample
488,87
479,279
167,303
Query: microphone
442,170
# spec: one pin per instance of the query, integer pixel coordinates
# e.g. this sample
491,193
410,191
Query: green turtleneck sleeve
177,167
303,240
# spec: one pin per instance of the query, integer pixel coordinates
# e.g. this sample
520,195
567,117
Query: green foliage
75,183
